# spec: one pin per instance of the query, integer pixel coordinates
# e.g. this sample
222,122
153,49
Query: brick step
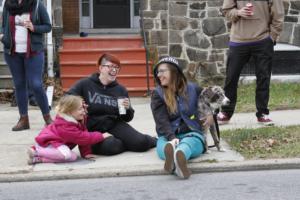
86,68
94,54
103,42
6,82
126,80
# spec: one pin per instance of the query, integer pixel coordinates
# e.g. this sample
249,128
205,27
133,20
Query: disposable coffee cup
250,7
122,109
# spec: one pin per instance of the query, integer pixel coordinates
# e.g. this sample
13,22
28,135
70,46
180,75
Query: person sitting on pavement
54,143
101,92
174,108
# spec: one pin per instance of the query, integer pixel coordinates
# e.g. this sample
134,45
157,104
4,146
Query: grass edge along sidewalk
265,142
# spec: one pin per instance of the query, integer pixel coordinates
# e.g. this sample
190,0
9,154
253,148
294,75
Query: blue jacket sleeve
42,23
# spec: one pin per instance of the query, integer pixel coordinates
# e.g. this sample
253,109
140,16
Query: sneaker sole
181,165
267,123
30,153
169,154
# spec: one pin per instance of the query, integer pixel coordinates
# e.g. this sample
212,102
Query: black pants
262,54
125,138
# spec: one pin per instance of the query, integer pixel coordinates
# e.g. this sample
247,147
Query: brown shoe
47,118
169,154
181,168
22,124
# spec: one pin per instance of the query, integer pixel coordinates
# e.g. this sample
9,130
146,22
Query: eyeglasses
110,67
161,71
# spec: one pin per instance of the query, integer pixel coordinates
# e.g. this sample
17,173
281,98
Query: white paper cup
122,110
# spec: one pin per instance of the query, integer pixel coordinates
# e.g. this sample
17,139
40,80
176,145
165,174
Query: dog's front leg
213,132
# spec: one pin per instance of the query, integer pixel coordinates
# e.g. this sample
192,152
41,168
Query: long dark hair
177,86
14,8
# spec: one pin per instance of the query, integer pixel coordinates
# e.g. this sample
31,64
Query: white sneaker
181,169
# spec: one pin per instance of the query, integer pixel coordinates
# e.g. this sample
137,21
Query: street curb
251,165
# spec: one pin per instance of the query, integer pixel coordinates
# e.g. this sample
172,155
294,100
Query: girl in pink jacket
54,143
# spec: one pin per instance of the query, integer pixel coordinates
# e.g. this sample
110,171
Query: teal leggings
191,144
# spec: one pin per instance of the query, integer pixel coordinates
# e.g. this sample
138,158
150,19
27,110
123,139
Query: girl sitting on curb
54,143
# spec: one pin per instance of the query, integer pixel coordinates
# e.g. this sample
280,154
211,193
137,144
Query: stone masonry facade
195,32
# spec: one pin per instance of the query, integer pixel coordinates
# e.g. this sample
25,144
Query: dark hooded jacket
102,102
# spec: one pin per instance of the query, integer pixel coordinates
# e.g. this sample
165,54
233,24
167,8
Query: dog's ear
207,92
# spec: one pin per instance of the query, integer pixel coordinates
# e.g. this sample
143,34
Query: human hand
175,142
91,157
1,36
209,120
28,24
126,103
106,135
245,12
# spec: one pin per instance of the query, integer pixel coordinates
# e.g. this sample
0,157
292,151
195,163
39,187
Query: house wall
195,32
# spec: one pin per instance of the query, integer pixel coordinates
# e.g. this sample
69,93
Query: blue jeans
191,144
28,71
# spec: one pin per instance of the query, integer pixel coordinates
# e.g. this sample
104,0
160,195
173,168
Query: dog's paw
222,149
208,151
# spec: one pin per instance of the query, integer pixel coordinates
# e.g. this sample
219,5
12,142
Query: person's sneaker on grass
265,120
181,169
223,118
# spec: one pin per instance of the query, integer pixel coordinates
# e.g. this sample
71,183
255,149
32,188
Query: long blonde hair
68,103
176,87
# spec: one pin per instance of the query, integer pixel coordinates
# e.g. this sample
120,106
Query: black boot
22,124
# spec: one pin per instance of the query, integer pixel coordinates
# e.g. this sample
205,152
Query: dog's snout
225,101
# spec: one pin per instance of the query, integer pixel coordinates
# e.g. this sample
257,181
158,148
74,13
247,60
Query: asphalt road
258,185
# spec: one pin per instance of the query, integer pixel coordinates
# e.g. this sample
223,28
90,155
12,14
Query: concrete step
4,70
6,82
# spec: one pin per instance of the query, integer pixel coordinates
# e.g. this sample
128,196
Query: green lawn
282,96
265,143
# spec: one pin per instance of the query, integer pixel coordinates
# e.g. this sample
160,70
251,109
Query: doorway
111,13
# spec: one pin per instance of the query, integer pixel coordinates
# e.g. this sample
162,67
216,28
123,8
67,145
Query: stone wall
196,34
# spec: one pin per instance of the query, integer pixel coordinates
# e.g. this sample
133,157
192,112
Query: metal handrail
147,52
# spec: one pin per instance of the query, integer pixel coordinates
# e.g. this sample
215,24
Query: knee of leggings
140,145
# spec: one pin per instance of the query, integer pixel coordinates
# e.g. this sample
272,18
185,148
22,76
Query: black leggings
125,138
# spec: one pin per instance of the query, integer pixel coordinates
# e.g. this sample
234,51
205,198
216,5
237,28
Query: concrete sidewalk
13,146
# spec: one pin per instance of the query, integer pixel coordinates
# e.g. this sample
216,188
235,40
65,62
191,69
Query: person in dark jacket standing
174,107
101,92
23,24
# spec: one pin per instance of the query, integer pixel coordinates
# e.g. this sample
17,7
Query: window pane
136,5
85,9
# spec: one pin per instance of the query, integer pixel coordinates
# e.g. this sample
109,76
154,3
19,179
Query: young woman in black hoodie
101,91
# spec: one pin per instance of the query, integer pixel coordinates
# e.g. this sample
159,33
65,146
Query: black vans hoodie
102,102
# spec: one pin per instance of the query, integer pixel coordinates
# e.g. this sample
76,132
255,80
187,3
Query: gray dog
211,99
